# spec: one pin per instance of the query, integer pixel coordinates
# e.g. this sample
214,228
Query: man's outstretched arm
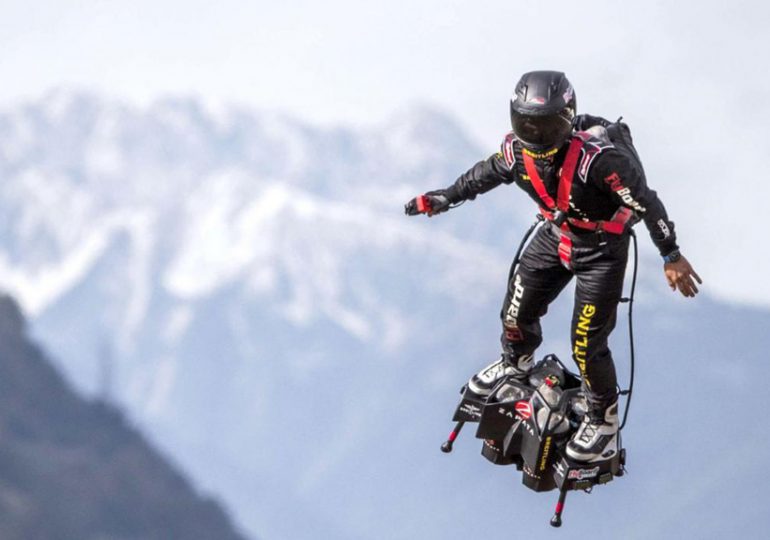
482,177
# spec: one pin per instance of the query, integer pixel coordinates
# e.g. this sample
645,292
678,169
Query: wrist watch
672,257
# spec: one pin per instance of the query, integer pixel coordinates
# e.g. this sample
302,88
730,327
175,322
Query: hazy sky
691,78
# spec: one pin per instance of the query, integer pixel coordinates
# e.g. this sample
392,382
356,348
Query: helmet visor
541,131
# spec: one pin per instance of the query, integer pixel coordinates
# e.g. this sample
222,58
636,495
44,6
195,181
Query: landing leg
447,446
556,519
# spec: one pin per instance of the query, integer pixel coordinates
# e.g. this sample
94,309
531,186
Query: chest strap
565,178
551,208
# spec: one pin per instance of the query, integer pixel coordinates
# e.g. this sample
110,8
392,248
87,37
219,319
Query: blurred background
218,322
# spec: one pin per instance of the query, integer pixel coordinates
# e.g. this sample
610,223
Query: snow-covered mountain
247,287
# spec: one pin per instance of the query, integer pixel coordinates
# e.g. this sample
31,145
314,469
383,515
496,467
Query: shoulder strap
592,147
507,150
565,178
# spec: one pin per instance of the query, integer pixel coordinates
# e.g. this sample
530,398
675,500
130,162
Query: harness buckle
602,238
601,234
559,217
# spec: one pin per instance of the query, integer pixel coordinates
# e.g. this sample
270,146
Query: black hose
540,219
630,301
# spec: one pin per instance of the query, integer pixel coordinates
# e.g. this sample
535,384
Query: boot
485,380
597,437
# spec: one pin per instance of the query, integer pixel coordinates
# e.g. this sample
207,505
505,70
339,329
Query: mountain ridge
76,469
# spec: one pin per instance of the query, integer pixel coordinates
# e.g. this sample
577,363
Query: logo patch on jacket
593,147
507,150
616,185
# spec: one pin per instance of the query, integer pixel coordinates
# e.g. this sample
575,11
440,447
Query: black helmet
542,108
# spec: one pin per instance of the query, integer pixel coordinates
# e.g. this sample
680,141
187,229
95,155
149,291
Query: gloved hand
433,202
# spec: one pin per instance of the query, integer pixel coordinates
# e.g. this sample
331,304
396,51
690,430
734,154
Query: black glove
433,202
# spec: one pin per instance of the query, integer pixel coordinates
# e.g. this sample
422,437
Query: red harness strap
562,196
615,226
565,179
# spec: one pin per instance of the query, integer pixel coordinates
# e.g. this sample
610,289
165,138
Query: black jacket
609,175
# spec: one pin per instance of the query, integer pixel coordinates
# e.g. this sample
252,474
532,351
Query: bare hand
680,276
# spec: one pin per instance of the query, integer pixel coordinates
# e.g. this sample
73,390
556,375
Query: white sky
690,77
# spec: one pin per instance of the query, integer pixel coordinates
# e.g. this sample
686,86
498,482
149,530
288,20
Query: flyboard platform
528,424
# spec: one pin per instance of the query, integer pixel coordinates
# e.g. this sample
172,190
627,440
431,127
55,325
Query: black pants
599,265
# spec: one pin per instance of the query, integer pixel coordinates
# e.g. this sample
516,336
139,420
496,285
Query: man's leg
598,291
537,281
